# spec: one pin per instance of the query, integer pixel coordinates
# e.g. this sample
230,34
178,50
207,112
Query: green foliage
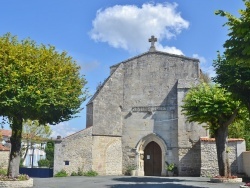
170,167
49,150
33,132
129,169
38,81
233,67
210,104
44,163
21,162
241,128
74,174
90,173
205,77
61,173
234,77
3,171
22,177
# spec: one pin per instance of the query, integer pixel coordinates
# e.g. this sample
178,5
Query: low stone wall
16,184
246,162
4,159
73,153
209,163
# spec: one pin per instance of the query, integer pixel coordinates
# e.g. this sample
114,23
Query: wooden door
152,160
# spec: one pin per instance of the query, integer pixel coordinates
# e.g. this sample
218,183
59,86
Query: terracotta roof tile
4,132
206,139
3,148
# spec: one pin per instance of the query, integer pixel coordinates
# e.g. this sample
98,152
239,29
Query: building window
66,162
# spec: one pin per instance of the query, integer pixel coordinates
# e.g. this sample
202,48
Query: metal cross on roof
152,40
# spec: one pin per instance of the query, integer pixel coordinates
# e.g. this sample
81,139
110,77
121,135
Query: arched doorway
152,159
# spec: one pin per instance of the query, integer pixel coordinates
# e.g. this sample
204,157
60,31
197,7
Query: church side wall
189,152
75,149
209,162
89,115
107,155
107,106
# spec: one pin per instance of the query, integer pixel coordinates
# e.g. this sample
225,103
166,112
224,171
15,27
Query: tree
37,83
241,128
233,67
49,150
204,77
210,104
33,132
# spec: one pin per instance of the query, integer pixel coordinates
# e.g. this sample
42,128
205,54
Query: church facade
134,121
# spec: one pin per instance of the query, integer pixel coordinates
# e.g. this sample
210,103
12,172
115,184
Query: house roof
3,148
6,133
135,57
206,139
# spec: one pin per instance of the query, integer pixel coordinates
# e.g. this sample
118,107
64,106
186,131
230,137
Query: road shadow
152,182
169,185
154,179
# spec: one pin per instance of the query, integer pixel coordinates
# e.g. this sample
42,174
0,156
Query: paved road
129,182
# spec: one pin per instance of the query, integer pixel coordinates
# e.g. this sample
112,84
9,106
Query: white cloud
210,70
62,129
171,50
204,66
202,59
129,26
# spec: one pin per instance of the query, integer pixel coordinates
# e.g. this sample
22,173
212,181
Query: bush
129,169
73,174
43,163
61,173
22,177
3,171
91,173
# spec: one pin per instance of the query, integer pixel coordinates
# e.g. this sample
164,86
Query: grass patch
90,173
61,173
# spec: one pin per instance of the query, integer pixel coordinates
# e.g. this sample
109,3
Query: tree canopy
32,133
233,67
37,83
210,104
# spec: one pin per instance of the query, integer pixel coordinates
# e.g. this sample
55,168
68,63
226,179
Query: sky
99,34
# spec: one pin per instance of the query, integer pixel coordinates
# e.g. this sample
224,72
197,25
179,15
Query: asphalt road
129,182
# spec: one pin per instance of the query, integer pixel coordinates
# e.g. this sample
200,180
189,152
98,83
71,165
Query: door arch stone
140,147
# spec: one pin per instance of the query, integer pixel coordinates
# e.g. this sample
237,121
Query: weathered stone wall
151,81
188,134
89,115
107,155
246,163
107,105
209,164
77,150
4,159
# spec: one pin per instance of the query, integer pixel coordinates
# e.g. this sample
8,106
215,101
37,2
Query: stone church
134,120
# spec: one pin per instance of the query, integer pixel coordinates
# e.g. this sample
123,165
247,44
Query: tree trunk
221,136
15,140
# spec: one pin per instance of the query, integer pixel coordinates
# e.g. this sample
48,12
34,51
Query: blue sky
98,34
